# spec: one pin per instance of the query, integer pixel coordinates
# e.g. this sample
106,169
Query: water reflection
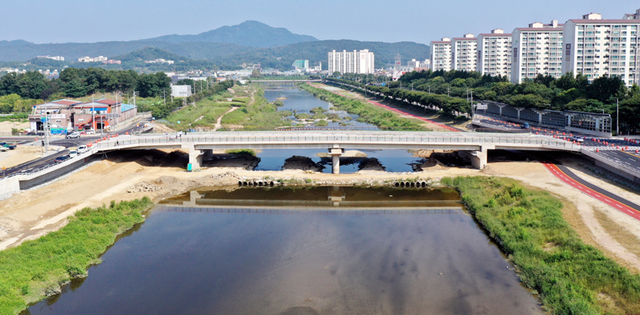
306,262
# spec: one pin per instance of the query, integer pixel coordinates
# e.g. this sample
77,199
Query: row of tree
452,89
162,109
74,82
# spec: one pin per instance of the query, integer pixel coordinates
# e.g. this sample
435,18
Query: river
302,102
410,251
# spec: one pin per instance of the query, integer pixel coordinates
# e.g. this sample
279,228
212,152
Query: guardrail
590,152
353,138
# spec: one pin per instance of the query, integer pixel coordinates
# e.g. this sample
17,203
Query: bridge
472,145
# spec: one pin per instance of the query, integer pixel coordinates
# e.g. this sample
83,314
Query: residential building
300,64
441,54
351,62
464,53
599,47
160,60
494,53
56,58
537,49
91,59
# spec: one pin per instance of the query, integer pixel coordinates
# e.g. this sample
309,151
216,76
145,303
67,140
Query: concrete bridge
472,145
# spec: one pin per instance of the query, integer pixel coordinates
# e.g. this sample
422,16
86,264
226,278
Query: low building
92,59
301,65
181,90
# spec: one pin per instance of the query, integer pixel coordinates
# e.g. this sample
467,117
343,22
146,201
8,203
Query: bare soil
161,174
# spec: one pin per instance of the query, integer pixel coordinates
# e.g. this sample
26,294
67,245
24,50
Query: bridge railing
352,138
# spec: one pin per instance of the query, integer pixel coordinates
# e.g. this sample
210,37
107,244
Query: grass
35,269
570,276
257,115
368,113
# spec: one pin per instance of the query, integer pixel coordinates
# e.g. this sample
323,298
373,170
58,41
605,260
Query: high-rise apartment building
494,53
599,47
536,49
441,54
352,62
464,53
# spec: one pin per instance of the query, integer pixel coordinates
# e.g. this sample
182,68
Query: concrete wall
9,186
54,172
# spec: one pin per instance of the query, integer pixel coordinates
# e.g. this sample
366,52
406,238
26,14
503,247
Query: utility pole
429,89
164,96
93,114
617,118
447,91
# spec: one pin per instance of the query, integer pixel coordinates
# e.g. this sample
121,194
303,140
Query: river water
302,102
411,251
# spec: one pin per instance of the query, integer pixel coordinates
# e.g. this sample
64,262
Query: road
48,160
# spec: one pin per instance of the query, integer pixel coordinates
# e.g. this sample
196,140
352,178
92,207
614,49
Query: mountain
248,33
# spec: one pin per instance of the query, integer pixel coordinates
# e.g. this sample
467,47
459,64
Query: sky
421,21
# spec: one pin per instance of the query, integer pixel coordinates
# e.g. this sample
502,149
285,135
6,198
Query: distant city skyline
44,21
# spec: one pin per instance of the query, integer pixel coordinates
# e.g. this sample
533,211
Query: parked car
8,146
2,149
73,135
61,158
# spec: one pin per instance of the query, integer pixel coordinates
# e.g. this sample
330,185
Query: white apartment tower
441,54
599,47
465,53
537,49
494,54
351,62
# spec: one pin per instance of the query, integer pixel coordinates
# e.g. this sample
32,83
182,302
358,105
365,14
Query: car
73,135
3,149
6,145
61,158
526,126
82,149
580,139
90,132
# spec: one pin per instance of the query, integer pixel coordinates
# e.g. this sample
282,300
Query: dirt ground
159,175
7,126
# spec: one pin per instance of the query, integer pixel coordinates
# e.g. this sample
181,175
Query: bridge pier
478,158
335,152
195,156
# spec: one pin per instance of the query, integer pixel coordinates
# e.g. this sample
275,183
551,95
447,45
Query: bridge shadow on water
324,200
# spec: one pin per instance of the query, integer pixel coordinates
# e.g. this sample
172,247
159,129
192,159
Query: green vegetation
369,113
38,268
570,276
278,103
449,90
241,152
21,117
259,115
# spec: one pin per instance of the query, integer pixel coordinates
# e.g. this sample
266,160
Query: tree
255,74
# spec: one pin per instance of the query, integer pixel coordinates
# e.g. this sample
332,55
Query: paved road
47,160
613,200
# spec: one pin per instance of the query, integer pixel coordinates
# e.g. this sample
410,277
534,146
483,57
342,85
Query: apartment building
352,62
599,47
441,54
464,53
537,49
494,53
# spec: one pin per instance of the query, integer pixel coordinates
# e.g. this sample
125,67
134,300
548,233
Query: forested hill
283,56
248,33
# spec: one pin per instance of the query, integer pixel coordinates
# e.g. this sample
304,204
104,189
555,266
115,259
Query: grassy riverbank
570,276
35,269
368,113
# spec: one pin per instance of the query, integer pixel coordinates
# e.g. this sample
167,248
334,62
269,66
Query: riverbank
39,268
569,276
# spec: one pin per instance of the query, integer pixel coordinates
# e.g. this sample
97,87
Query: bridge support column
335,152
478,158
195,156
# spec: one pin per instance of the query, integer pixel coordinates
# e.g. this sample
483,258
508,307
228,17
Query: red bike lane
555,170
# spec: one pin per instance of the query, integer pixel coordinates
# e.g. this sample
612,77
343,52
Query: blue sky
48,21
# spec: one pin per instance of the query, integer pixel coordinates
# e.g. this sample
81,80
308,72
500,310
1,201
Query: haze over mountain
248,33
227,47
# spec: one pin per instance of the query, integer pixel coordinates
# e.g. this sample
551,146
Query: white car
82,149
73,135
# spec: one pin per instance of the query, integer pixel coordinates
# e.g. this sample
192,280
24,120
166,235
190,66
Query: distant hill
226,47
282,57
248,33
150,53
